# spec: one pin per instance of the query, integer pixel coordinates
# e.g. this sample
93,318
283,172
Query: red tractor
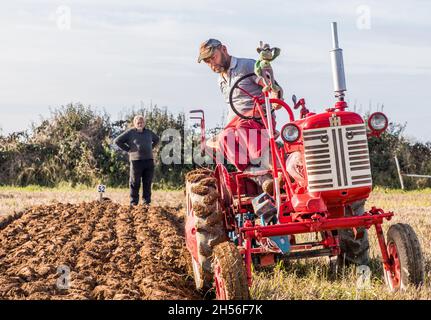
231,224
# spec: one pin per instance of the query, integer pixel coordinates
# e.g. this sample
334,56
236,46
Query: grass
15,199
303,279
309,279
79,187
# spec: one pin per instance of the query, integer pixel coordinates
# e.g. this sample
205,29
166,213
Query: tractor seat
213,143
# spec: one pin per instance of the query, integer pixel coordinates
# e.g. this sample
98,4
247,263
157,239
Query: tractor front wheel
230,278
405,258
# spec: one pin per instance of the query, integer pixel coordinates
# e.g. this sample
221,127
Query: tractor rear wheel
230,277
405,256
203,195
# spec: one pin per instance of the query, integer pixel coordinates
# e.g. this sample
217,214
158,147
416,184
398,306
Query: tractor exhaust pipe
339,78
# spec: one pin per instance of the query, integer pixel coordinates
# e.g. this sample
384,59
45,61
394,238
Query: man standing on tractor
235,142
354,245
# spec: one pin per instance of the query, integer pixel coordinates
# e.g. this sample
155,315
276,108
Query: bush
74,145
413,158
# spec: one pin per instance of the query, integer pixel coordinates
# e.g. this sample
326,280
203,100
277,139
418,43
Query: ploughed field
107,250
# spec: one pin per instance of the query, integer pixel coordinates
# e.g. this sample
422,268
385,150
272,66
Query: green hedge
74,146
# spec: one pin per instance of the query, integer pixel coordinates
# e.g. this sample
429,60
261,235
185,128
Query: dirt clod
97,250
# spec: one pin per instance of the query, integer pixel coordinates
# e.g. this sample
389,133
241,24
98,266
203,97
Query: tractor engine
336,157
334,144
334,153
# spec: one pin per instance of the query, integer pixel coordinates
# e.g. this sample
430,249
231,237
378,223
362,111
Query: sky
114,55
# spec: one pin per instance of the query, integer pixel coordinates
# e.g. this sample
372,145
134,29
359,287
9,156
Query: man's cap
207,49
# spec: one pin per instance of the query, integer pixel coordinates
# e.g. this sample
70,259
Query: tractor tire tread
233,271
209,218
409,253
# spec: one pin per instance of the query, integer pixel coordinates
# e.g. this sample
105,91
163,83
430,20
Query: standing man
139,143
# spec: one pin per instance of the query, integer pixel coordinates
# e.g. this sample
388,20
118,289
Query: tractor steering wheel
256,99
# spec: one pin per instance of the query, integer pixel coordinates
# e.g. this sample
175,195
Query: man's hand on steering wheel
277,95
274,95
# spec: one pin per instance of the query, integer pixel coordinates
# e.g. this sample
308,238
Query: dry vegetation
17,199
305,279
309,279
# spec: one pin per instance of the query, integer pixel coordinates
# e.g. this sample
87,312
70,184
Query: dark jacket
139,145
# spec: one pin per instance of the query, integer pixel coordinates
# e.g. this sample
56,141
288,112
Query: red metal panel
366,220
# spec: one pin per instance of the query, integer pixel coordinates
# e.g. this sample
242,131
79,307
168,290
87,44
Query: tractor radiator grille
337,158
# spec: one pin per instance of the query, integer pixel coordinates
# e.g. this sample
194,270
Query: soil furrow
111,251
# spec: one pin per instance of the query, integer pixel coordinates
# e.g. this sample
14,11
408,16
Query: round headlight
378,121
290,132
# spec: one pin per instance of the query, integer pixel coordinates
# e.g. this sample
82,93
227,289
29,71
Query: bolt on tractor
233,223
